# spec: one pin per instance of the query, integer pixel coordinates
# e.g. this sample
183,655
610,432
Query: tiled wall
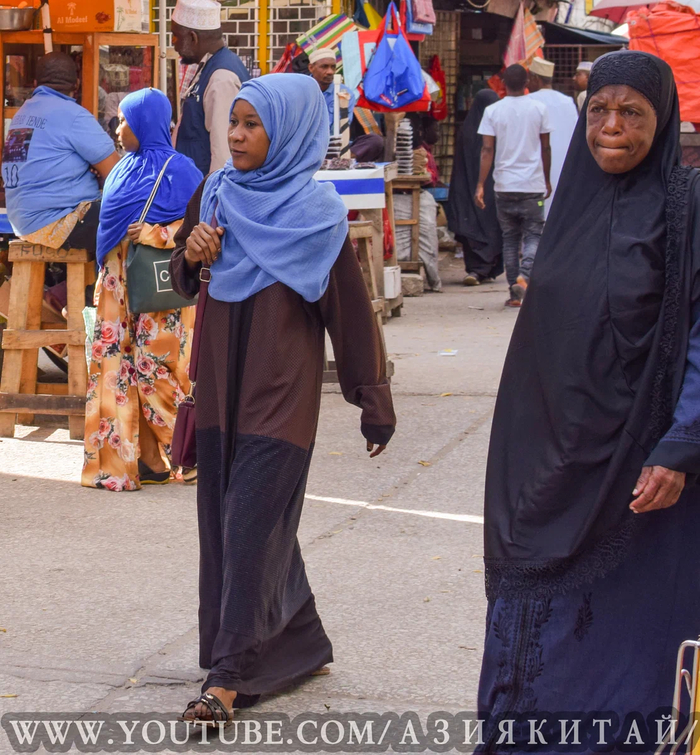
287,20
240,27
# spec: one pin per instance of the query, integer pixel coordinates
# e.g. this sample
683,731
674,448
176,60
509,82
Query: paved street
99,590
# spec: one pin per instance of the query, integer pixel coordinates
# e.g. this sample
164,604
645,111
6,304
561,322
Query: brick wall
239,20
240,27
289,20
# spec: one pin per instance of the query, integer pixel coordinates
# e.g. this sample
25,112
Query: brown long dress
257,403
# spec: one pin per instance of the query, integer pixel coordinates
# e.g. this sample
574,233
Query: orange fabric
496,83
672,32
525,39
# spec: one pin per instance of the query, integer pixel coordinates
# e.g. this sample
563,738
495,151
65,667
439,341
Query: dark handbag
148,271
183,451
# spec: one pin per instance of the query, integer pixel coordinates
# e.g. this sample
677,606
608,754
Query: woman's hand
203,245
657,488
134,232
372,452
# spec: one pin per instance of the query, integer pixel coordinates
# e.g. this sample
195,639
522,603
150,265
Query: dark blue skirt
609,647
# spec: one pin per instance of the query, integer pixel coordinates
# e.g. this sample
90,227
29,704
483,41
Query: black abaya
597,357
588,602
476,230
259,382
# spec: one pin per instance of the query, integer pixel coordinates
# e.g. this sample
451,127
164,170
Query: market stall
370,191
111,64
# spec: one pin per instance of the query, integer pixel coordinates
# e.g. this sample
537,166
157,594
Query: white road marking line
470,518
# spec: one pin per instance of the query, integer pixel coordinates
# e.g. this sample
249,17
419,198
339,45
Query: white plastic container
392,282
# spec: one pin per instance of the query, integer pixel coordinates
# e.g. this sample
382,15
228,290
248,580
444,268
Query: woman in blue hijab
282,273
138,370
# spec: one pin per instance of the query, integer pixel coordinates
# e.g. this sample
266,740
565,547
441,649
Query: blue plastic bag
393,77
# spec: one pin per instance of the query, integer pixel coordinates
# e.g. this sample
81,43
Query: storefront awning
559,34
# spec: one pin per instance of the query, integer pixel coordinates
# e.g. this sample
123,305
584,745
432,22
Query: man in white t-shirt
516,129
563,117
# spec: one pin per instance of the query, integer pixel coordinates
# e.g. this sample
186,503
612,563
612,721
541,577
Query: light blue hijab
280,224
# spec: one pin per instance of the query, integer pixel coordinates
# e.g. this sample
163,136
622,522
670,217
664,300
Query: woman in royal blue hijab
138,371
282,273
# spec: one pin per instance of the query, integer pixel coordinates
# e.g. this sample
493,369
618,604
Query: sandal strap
213,703
215,707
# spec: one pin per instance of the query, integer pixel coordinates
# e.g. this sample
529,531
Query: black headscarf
478,228
597,356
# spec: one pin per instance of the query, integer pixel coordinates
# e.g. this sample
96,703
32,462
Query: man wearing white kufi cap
322,65
562,117
583,71
202,132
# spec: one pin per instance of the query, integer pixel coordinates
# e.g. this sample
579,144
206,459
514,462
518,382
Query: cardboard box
99,15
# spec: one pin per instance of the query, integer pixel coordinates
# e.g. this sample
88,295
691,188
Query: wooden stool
20,394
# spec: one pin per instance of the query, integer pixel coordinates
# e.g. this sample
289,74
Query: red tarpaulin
672,32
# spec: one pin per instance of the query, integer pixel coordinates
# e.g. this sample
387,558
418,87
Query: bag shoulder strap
155,190
204,278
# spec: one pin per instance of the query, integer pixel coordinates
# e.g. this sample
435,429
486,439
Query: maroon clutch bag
183,452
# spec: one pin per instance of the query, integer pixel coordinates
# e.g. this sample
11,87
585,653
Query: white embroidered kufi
542,67
323,53
200,15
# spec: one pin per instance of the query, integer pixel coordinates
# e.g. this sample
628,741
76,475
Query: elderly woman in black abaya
591,525
476,230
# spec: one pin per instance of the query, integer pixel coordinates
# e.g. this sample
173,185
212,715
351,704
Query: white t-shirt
517,123
562,120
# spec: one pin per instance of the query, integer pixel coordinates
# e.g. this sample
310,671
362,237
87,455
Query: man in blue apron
202,132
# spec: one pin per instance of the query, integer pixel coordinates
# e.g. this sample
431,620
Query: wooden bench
21,396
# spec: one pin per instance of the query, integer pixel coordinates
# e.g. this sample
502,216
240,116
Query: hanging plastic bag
439,111
423,12
415,32
393,78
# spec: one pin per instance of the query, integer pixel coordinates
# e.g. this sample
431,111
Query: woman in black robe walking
592,518
476,230
283,272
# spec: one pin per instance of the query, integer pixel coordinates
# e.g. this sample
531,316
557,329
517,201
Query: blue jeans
521,217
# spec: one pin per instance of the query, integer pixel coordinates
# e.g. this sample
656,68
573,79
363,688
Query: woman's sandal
148,477
220,715
189,475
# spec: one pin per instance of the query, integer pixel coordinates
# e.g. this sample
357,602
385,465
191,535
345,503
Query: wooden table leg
415,229
392,221
375,217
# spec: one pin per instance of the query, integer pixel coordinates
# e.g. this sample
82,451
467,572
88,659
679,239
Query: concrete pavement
99,606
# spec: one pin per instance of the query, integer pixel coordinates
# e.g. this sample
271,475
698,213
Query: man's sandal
220,715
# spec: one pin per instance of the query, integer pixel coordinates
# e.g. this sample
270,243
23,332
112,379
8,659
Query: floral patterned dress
139,363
